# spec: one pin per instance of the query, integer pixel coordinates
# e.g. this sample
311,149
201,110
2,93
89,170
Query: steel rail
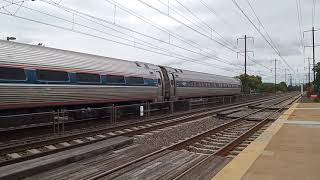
231,145
219,128
41,143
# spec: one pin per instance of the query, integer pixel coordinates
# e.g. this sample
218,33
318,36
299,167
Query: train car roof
187,75
34,56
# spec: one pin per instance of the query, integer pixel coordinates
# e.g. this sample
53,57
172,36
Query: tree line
252,83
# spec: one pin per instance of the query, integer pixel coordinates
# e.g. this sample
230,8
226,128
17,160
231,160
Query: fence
113,114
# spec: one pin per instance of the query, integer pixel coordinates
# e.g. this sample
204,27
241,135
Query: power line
195,52
186,25
200,20
225,22
114,41
140,44
214,12
164,29
263,36
189,42
196,20
299,21
261,24
175,19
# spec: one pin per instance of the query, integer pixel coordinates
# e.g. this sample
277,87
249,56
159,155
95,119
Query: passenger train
41,77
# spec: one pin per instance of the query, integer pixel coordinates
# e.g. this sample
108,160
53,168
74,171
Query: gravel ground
173,134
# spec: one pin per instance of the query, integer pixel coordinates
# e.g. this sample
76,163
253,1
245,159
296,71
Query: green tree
252,82
282,87
316,82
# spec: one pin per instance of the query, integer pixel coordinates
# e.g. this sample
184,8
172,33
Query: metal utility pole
275,76
314,57
308,79
309,71
245,60
290,79
313,30
245,56
285,75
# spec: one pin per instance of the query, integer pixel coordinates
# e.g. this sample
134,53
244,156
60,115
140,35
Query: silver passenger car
35,76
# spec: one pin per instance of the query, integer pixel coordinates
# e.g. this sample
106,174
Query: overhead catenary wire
298,5
227,23
190,42
206,24
262,35
260,22
214,12
126,44
191,28
194,21
157,53
186,25
149,45
171,44
201,21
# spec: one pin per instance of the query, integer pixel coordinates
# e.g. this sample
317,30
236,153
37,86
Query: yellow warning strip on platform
237,168
309,108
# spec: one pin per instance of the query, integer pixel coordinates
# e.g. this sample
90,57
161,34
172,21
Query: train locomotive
35,77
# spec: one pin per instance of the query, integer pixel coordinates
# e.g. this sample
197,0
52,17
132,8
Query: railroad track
228,138
44,126
78,125
39,147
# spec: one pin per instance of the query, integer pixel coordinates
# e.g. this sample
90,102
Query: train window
134,80
114,79
86,77
49,75
159,81
8,73
150,82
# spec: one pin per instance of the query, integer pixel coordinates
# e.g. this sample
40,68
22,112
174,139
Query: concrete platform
30,167
288,150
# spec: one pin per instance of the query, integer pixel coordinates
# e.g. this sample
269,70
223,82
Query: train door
173,86
160,86
166,83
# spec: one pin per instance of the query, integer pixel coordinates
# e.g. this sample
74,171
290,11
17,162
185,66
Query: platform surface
288,150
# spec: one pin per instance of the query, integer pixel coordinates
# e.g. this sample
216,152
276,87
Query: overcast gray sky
199,35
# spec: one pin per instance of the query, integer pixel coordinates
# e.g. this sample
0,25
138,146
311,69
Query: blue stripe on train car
31,78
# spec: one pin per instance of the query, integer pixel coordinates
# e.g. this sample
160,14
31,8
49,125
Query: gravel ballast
173,134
